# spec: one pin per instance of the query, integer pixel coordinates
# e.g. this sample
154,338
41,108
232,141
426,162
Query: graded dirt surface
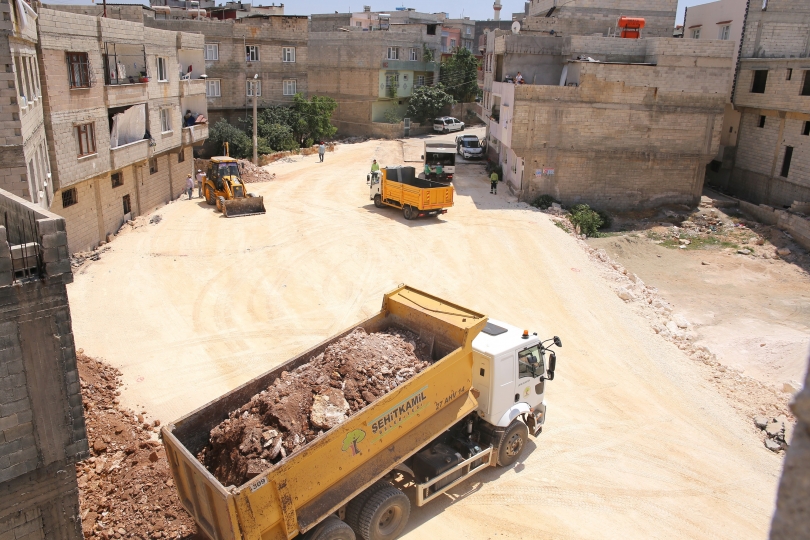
637,443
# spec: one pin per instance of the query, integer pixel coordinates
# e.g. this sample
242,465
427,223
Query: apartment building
274,47
370,73
115,95
588,17
620,124
466,33
25,169
771,164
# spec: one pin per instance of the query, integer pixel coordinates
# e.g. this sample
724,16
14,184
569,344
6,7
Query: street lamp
255,84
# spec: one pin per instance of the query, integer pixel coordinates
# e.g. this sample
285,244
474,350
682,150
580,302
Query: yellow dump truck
401,188
472,408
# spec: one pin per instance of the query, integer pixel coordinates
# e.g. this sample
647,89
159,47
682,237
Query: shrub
587,219
544,201
392,116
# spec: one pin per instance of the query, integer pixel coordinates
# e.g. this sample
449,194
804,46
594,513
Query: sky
476,10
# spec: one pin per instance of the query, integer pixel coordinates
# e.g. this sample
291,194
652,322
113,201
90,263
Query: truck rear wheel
385,515
407,211
512,443
356,505
378,201
331,529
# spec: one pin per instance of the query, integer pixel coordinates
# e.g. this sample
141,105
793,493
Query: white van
446,124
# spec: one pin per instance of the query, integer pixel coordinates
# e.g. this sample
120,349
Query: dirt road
637,444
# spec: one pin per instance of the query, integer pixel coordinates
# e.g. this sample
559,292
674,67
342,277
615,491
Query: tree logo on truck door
351,440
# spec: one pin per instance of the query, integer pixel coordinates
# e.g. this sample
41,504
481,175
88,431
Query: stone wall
597,16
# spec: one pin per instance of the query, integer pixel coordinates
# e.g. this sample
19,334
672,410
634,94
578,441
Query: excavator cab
224,188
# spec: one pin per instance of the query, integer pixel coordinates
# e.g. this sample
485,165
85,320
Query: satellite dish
515,27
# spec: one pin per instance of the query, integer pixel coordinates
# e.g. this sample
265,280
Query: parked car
468,146
446,124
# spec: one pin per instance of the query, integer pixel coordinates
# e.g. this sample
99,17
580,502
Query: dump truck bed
298,492
402,188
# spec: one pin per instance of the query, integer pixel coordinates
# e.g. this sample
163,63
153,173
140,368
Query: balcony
129,153
408,65
195,134
125,94
190,87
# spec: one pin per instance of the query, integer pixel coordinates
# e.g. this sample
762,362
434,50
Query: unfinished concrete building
589,17
42,430
115,95
372,73
274,47
25,167
617,123
771,164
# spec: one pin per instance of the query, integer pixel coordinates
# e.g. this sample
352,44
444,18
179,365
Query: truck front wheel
385,515
331,529
378,201
512,443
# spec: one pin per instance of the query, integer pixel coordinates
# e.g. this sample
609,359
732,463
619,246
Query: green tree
314,117
351,440
241,146
459,74
427,101
427,53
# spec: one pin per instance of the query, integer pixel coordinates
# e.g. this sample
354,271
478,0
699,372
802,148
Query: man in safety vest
493,183
375,169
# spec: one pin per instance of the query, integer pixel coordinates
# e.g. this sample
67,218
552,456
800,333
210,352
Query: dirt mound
251,174
125,487
303,404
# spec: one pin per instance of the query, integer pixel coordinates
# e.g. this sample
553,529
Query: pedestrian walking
200,182
493,183
321,151
189,187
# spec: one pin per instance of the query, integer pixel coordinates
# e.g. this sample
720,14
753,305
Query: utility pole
255,120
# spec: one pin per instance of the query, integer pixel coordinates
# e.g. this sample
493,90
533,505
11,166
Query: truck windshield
440,158
530,363
228,169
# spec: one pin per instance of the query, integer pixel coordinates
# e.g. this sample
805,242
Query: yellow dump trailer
401,188
337,487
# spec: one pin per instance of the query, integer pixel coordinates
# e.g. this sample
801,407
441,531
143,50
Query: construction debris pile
125,487
305,403
251,174
778,431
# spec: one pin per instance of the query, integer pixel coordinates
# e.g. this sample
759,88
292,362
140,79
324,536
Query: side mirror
552,365
557,341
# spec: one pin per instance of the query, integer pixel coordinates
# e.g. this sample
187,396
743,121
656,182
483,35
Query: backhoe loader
224,187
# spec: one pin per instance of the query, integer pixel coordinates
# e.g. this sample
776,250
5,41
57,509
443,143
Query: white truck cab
510,367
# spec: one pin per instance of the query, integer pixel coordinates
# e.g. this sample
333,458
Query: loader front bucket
245,206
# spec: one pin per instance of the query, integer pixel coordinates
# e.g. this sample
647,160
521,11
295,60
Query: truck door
375,183
530,370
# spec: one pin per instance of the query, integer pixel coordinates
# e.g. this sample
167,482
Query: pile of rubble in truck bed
304,403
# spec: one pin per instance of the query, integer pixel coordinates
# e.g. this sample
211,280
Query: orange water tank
631,27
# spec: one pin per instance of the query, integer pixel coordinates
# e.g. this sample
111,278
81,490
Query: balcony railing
125,94
195,134
192,87
129,154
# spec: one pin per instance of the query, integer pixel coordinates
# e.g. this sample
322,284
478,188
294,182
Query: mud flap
247,206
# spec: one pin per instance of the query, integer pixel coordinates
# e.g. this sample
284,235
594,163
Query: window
117,179
725,30
469,30
393,53
78,69
789,74
696,33
163,72
392,80
251,53
181,156
358,24
764,5
806,85
760,80
420,80
786,161
289,87
288,54
530,363
762,121
153,168
452,43
249,87
86,137
806,129
69,197
165,120
413,55
212,88
211,52
127,205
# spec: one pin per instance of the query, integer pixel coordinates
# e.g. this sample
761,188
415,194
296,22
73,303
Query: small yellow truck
473,408
401,188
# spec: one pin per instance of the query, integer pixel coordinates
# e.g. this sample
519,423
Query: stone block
6,278
54,240
56,268
50,226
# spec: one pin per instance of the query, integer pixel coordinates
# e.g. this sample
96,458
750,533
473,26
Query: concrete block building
115,94
274,47
617,123
25,167
370,73
588,17
771,164
42,429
